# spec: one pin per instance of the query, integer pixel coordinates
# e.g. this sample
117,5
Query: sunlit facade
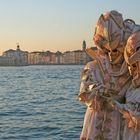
21,58
14,57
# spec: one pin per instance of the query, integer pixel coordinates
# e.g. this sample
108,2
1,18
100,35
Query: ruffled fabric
102,121
131,114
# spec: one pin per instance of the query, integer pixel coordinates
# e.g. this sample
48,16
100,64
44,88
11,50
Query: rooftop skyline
55,25
49,51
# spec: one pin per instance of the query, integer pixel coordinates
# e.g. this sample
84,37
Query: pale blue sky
55,24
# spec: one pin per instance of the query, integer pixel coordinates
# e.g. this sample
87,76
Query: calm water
40,103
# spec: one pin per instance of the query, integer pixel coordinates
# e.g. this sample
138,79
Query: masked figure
106,78
131,109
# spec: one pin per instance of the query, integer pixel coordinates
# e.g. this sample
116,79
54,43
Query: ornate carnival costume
105,77
131,108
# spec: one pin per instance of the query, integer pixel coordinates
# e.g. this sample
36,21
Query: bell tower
84,45
18,47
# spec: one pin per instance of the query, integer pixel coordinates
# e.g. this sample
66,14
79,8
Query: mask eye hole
134,65
115,50
137,48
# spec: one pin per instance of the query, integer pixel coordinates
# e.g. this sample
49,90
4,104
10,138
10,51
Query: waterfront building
59,57
44,58
80,57
75,57
34,58
6,61
18,57
68,57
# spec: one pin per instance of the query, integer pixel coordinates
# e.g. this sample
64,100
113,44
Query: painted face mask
132,57
108,36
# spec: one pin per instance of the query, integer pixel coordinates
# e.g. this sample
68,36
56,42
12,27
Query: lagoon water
40,103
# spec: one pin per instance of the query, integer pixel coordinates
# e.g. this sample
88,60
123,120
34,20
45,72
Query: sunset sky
40,25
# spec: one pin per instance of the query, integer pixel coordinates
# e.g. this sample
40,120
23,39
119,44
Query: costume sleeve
131,113
89,83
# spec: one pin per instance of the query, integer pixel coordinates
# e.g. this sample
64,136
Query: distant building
80,57
59,58
75,57
20,58
17,57
34,58
6,61
39,58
